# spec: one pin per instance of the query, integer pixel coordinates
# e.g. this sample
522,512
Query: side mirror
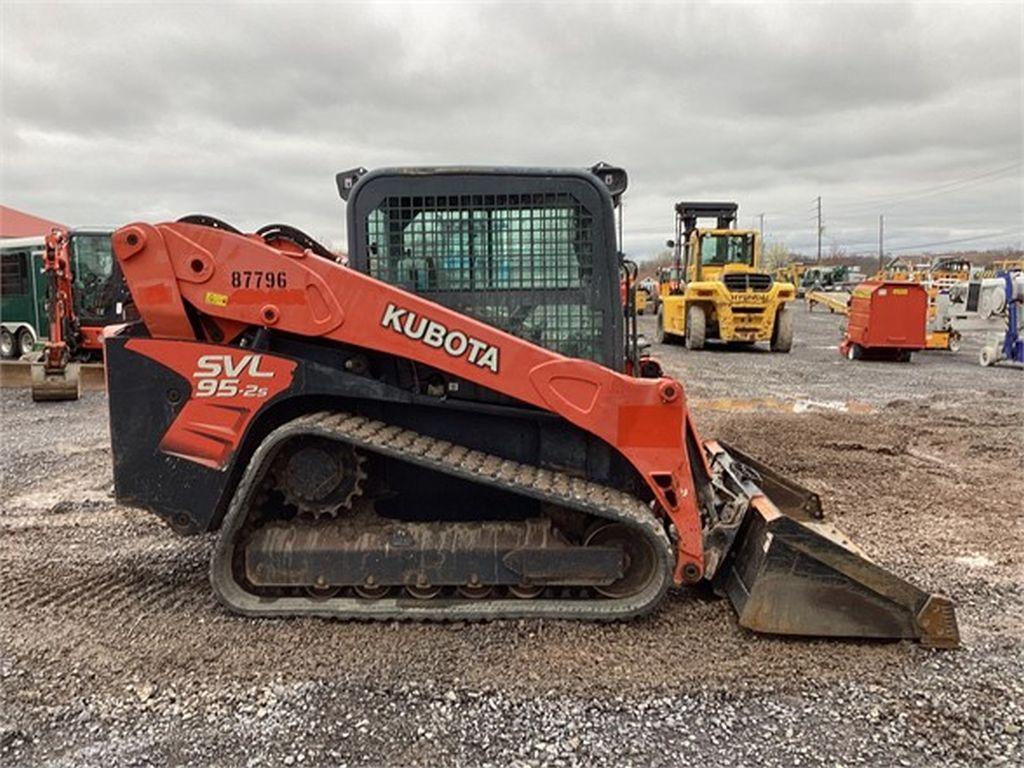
670,243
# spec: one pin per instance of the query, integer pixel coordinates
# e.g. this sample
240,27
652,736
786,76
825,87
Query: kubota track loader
446,429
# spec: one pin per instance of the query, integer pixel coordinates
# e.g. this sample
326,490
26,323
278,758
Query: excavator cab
99,293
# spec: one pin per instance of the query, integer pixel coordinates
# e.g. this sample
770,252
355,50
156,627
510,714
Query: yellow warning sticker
899,291
217,299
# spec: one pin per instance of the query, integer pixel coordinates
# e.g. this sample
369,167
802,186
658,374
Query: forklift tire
6,344
782,331
26,342
696,325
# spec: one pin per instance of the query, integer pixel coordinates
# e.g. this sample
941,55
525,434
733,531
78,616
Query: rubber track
456,460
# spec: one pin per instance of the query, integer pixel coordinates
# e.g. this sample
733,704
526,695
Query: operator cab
707,254
99,290
718,248
531,251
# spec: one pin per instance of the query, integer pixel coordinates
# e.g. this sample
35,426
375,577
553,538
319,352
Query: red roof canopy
18,224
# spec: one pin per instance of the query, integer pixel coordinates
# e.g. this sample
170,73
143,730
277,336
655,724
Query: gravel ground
113,651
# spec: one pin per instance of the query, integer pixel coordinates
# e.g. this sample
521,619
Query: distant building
19,224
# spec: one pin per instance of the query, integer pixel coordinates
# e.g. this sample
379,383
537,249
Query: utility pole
761,216
819,228
881,247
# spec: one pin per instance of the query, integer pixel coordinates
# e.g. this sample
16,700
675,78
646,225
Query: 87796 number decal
257,278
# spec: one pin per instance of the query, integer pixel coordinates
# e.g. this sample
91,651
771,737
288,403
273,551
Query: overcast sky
118,112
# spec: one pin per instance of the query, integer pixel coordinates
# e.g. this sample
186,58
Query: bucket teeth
938,620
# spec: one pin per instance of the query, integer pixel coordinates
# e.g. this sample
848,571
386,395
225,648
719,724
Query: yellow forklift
716,289
791,273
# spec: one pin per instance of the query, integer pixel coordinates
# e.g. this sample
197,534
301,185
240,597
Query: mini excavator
85,294
455,424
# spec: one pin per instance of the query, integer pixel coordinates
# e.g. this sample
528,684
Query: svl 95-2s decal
211,422
221,376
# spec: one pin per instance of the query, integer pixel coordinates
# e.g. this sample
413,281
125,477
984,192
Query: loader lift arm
197,266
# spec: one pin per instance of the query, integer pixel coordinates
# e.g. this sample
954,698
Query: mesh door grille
520,262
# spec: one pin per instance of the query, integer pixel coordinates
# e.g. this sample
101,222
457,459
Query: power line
1015,231
881,246
939,189
888,198
857,248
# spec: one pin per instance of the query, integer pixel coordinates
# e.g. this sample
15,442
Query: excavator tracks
424,602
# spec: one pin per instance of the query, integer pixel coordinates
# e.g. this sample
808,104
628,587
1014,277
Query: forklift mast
687,215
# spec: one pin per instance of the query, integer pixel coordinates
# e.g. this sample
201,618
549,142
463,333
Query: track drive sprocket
320,477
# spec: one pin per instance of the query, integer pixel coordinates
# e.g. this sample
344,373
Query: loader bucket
790,573
50,385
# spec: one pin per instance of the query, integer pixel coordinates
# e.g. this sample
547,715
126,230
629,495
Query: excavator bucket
791,573
55,384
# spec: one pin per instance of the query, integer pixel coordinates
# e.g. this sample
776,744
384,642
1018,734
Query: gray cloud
115,112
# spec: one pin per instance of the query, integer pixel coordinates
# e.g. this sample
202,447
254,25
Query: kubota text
434,334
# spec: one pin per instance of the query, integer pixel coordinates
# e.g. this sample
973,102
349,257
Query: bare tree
775,255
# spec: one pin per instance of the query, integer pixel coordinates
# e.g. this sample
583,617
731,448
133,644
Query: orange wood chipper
887,321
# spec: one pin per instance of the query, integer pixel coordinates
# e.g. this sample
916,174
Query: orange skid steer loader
453,426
